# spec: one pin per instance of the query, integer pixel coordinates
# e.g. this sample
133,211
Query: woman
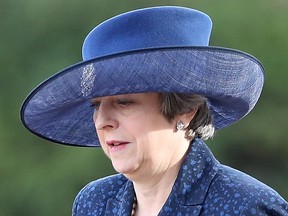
156,90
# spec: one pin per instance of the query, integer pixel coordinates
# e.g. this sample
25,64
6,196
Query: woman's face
135,135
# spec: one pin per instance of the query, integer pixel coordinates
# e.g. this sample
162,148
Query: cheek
101,140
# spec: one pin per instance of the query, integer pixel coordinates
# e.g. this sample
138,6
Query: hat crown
148,28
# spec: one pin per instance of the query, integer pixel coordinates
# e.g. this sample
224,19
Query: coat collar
189,190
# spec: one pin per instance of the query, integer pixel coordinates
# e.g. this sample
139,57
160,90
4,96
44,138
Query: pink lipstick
115,145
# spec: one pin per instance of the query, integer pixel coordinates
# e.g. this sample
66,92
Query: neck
152,194
153,184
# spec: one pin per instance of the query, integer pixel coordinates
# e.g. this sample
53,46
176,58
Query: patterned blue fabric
203,187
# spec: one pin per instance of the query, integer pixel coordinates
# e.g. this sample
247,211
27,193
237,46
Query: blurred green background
39,38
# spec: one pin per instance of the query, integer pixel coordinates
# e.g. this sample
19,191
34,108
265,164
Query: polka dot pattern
203,187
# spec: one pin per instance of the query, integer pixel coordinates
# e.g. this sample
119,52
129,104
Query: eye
124,102
95,104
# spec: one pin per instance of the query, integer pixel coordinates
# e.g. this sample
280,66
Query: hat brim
59,108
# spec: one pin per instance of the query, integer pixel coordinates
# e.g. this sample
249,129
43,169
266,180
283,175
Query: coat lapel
121,205
193,181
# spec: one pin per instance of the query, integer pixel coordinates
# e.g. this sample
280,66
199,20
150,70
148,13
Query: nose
103,117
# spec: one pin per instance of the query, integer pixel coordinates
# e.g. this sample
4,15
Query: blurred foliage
39,38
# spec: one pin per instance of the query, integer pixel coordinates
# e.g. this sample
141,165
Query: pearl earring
180,125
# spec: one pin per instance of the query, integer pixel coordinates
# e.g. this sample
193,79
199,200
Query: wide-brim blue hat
159,49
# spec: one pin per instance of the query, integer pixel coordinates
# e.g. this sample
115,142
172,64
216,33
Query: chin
125,168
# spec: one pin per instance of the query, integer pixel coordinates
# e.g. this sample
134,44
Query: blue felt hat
159,49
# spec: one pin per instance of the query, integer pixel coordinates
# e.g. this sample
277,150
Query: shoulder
92,199
235,191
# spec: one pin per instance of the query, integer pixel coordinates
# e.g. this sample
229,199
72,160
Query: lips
113,143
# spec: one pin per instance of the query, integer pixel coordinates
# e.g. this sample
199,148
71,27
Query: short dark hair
173,104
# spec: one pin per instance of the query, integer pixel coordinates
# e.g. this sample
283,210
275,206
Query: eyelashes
95,104
125,102
119,102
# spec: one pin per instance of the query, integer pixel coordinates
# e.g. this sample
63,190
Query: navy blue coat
203,187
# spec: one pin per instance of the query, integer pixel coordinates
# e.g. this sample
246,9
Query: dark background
39,38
